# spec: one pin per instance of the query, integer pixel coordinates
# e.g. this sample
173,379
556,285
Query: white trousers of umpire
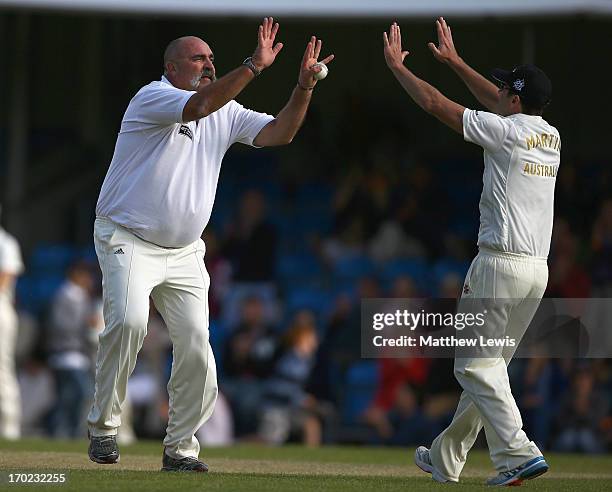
487,398
10,402
177,281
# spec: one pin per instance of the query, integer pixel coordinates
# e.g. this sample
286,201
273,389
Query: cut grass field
286,469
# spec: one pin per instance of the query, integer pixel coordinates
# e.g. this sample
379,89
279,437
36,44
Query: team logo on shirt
185,130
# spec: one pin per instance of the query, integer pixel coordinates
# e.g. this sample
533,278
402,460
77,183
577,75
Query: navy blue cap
527,81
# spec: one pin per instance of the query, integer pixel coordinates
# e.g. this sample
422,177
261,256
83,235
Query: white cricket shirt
10,259
521,161
162,180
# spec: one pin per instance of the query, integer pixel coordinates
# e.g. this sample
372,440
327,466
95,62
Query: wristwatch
248,62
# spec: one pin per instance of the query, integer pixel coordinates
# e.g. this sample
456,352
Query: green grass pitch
286,469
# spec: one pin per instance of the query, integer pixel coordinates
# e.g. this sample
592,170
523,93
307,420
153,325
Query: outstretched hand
311,57
266,50
445,52
394,56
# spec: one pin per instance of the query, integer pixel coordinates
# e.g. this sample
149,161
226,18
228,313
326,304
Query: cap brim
501,75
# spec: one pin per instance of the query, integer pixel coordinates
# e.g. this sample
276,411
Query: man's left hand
307,69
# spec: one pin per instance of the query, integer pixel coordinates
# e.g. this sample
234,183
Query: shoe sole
164,469
102,461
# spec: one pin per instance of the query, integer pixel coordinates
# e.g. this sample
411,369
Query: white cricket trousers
486,399
10,402
177,281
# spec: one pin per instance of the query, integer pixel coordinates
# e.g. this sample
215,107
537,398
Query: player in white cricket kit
521,160
154,204
11,265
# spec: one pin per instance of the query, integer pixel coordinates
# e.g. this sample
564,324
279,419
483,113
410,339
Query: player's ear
170,67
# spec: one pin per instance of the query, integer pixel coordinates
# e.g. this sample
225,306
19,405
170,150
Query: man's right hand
445,52
266,50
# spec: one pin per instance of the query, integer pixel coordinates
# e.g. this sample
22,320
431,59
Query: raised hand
394,56
266,50
445,52
311,57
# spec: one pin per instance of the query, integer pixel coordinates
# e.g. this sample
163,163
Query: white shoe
423,461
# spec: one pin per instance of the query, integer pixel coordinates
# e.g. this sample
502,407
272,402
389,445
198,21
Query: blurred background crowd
371,200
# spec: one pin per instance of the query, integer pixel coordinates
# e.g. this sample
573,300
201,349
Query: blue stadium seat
218,335
24,292
47,285
445,265
52,258
88,253
354,267
317,300
34,293
298,267
414,268
359,389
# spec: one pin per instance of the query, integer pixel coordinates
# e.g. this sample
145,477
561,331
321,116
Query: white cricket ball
323,73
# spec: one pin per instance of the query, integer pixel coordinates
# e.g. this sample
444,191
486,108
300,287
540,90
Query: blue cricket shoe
531,469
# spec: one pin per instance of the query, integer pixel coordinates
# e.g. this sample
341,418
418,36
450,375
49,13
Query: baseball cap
527,81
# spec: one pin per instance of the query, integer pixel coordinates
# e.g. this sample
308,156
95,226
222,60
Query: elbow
197,107
196,113
285,139
431,105
280,141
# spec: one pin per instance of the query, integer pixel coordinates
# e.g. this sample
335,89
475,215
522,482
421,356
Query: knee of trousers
195,349
196,338
133,324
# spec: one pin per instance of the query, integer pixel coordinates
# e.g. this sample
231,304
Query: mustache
209,73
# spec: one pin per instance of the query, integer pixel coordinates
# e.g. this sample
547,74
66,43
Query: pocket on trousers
104,231
468,283
115,244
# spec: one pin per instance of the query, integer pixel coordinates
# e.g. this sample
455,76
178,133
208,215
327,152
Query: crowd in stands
290,260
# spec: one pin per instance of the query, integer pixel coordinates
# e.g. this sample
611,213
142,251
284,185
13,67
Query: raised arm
283,128
484,90
211,97
425,95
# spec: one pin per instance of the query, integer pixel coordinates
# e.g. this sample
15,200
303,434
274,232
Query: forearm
430,99
214,96
484,90
422,93
285,126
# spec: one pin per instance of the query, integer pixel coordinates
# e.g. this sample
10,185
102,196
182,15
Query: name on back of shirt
543,140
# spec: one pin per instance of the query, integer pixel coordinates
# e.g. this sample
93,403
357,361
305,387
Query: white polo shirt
10,260
521,161
162,180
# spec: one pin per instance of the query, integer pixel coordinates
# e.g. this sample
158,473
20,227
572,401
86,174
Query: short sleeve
10,255
158,104
247,124
488,130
